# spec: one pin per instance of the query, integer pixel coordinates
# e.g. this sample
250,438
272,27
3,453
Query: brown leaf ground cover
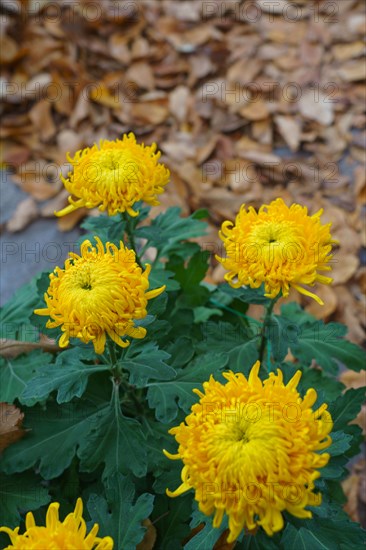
247,100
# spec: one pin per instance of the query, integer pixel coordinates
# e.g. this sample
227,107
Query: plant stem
267,318
112,352
131,237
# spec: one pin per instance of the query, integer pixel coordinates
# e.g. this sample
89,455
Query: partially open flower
279,246
57,535
250,450
115,176
99,293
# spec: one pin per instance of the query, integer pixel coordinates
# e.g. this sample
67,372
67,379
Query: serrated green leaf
119,516
60,427
325,344
346,407
40,321
69,376
246,294
316,378
206,538
157,439
202,313
277,332
191,275
108,228
145,361
157,306
18,310
259,541
22,492
296,314
159,277
237,341
181,351
15,374
165,397
341,442
170,517
335,469
116,441
302,539
169,228
323,534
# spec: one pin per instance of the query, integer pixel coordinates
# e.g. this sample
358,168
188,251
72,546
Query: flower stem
131,238
112,352
265,342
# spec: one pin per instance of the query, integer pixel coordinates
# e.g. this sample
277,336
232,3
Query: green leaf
246,294
157,439
16,311
323,534
169,228
22,492
145,361
296,314
108,228
207,537
202,313
165,397
325,344
69,376
116,441
171,518
53,437
278,332
190,276
201,214
259,541
237,341
335,469
157,306
341,442
120,517
316,378
159,277
15,374
303,539
346,407
181,351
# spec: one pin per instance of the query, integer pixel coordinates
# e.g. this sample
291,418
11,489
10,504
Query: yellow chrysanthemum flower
249,450
279,246
67,535
99,292
114,176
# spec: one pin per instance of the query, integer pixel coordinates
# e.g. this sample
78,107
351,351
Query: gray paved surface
39,247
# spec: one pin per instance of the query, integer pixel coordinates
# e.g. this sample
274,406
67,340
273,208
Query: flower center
113,168
86,286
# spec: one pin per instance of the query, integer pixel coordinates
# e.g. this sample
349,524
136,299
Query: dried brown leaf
13,348
24,214
11,419
150,536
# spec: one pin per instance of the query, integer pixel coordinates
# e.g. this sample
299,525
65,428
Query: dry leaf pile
247,100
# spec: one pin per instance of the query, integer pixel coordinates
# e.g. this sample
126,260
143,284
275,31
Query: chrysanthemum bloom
99,293
279,246
250,450
56,535
114,176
